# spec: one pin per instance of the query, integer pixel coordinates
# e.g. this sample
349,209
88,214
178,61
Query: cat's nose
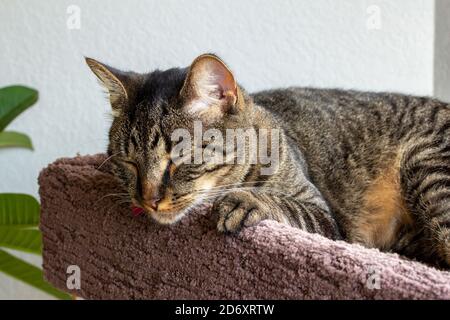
150,195
153,203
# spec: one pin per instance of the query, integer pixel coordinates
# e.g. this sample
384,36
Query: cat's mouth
166,212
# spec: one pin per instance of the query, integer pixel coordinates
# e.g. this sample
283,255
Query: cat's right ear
116,82
210,90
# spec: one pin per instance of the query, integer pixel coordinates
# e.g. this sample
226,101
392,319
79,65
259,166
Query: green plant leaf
15,139
27,240
18,210
27,273
13,101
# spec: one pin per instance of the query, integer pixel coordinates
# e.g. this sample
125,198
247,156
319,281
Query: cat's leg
425,178
303,207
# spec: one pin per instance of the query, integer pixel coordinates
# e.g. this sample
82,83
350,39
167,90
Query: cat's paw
236,210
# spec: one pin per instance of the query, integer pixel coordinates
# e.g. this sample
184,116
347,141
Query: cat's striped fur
371,168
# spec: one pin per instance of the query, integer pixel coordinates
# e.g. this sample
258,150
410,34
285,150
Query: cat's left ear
210,89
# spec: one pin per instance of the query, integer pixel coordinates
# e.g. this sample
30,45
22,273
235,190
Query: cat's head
148,108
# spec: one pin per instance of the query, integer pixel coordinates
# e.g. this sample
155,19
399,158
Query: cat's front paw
236,210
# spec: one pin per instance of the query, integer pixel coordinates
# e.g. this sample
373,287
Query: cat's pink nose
153,203
150,195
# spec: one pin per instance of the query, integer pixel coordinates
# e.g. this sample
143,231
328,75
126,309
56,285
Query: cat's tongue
137,211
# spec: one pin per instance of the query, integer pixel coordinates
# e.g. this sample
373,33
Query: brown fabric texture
125,257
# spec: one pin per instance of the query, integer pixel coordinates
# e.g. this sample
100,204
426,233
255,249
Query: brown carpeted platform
126,257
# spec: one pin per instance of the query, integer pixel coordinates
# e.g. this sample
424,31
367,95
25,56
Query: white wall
323,43
442,50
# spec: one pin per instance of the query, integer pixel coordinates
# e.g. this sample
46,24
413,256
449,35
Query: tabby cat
368,168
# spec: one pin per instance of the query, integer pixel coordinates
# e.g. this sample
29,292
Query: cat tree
125,257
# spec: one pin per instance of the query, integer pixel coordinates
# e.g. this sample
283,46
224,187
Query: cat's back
287,103
332,109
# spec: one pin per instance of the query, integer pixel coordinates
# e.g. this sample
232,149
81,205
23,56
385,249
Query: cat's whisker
115,205
112,195
223,186
107,159
234,184
262,189
214,189
182,201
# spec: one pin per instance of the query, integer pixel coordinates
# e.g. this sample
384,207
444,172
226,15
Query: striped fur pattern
369,168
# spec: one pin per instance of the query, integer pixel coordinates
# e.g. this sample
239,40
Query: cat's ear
210,89
115,81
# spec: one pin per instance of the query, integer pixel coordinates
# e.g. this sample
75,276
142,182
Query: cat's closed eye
169,171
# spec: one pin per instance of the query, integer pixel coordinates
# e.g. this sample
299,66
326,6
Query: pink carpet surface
125,257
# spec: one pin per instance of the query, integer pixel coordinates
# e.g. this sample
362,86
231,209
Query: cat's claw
236,210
